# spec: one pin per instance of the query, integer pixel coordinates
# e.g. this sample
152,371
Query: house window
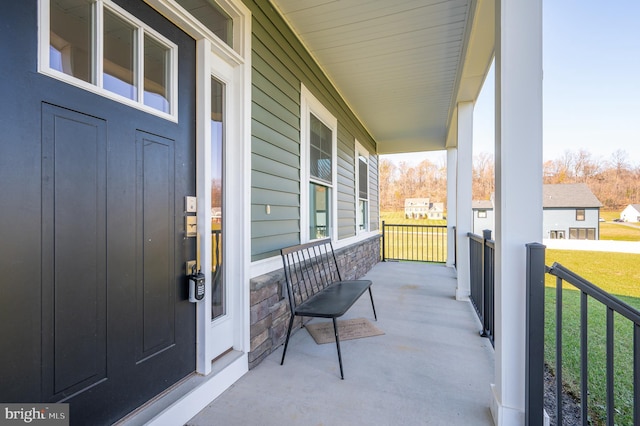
482,214
556,235
582,233
362,185
98,46
319,145
579,214
212,16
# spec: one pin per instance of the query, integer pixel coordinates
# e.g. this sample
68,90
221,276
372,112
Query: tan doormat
322,332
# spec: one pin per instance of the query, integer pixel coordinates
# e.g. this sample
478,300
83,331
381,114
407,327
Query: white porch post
464,219
518,102
452,161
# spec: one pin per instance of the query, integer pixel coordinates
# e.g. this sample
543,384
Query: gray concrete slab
429,368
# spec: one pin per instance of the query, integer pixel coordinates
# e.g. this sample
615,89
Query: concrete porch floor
429,368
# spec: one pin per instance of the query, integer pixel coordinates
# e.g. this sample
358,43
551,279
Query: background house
631,213
570,211
483,215
421,208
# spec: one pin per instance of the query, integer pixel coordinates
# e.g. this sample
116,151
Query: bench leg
372,305
335,329
286,342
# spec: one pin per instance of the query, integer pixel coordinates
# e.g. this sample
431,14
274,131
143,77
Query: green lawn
609,215
397,218
618,232
617,273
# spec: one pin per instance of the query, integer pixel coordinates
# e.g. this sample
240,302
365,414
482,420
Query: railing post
534,363
486,268
383,244
455,247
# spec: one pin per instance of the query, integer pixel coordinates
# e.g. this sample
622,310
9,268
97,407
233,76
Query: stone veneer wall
270,307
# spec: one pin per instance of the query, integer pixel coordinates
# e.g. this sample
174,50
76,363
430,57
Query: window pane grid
119,62
320,150
102,45
70,38
156,74
363,174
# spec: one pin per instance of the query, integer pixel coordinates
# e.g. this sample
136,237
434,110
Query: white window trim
44,68
361,151
309,104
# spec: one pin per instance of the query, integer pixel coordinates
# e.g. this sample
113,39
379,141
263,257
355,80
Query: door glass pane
156,74
119,51
70,38
218,290
212,16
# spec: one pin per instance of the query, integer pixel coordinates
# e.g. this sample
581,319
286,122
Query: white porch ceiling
402,65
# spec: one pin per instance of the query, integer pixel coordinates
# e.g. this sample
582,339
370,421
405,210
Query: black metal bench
315,286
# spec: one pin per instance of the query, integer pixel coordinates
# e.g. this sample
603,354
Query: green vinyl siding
269,167
264,197
264,149
264,120
259,213
280,64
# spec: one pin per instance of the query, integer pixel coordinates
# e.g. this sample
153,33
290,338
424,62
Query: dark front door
94,306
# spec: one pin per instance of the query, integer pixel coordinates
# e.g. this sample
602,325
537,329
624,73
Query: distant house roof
568,195
416,202
635,206
482,205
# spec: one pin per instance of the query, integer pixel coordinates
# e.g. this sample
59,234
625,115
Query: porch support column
452,160
464,216
518,203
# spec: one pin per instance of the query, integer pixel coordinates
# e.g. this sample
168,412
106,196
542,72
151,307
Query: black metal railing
482,277
589,294
420,243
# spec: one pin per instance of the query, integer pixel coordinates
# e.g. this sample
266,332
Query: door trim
237,253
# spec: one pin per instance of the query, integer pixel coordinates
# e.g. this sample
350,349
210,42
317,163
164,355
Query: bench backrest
308,269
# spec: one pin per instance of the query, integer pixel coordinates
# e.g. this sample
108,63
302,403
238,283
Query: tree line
615,181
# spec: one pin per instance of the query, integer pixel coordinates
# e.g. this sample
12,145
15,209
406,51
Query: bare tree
615,182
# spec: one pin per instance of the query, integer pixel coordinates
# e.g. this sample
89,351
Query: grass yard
617,231
397,218
609,215
619,274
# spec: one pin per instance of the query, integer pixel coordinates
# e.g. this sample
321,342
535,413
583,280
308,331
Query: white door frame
234,64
